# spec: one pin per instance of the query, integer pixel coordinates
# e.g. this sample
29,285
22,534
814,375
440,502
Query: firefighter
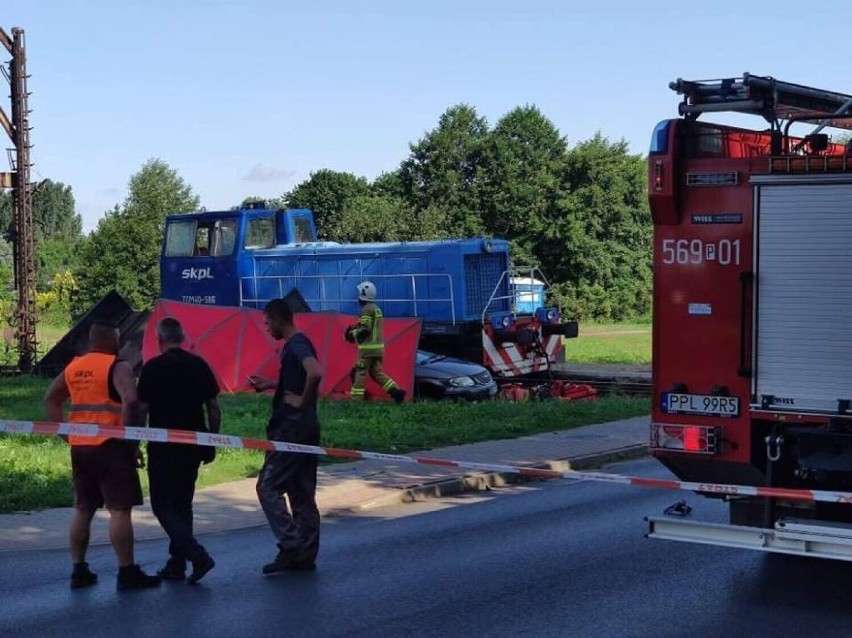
367,333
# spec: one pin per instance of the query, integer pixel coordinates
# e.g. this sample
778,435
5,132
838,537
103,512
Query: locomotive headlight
547,315
502,321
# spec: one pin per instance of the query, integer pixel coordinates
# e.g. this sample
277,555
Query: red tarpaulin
235,344
401,339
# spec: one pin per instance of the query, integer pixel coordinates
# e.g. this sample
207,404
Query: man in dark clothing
176,386
294,419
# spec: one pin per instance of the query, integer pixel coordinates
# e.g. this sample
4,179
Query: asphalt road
545,559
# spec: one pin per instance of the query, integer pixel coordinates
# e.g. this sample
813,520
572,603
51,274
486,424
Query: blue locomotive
462,289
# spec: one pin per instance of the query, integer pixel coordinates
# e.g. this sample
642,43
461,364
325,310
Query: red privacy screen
235,344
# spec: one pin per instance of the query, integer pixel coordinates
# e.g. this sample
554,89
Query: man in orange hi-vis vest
101,390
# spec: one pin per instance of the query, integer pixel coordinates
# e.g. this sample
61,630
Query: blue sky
247,98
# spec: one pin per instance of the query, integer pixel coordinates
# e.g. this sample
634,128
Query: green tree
122,253
54,214
5,213
445,170
605,268
57,256
522,184
6,255
6,269
326,192
57,228
389,184
582,215
369,218
384,218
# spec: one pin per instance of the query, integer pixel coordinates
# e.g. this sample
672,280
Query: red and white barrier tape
239,442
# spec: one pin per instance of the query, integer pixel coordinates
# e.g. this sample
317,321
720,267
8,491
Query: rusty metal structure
18,179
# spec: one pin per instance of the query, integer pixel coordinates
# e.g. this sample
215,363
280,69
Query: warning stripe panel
507,358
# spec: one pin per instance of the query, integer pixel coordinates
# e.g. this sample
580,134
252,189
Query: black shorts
105,475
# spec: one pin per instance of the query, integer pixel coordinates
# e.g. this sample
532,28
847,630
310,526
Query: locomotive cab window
202,242
192,238
180,238
303,232
225,237
260,233
215,238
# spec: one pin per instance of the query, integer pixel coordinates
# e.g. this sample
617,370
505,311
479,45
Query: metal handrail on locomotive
464,290
752,249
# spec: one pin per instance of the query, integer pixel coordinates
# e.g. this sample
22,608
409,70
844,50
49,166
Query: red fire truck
752,333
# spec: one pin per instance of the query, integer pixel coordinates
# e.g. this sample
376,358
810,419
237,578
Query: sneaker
398,394
132,577
82,576
200,567
173,570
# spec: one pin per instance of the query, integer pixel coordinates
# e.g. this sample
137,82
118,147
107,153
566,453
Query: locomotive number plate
675,403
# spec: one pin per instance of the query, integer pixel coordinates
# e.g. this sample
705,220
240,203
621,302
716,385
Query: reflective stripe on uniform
91,407
375,337
371,347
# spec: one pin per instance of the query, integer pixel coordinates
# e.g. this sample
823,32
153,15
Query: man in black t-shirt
294,419
176,387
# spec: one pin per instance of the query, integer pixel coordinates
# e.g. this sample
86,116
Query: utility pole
18,179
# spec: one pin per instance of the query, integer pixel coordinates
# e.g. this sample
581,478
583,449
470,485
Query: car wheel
426,392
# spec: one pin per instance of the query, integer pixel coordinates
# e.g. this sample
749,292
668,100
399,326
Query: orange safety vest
87,379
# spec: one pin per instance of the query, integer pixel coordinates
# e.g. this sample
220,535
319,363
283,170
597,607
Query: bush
54,305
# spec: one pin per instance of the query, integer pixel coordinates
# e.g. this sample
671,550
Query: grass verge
35,471
622,343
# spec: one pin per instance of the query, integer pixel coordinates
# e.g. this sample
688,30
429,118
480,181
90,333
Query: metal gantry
18,179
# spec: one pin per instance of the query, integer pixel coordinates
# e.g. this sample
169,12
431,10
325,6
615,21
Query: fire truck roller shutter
804,292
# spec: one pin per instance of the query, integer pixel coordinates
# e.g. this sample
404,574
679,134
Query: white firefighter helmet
366,291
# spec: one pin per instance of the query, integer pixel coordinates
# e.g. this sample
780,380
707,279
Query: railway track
618,386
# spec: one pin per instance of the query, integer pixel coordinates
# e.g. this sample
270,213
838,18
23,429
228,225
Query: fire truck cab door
803,328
